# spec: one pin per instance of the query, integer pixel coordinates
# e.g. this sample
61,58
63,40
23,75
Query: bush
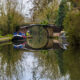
72,27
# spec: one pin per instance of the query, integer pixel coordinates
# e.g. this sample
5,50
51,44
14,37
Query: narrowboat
19,37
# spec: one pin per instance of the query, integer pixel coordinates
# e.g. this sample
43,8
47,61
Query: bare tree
44,10
11,13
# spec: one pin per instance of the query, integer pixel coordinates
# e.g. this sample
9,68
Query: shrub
72,27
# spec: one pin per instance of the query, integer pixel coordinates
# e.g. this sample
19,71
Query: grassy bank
5,38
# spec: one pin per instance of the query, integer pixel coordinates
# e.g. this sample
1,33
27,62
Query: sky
27,6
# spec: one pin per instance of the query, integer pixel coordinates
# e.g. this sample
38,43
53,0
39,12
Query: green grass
1,36
7,43
6,37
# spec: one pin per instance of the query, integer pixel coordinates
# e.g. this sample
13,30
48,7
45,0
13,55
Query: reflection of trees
72,63
47,66
9,58
59,54
39,37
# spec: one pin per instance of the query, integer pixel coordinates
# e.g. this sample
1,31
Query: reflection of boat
19,37
19,45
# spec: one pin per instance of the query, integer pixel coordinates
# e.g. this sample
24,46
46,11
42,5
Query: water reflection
8,59
72,62
59,55
19,45
18,64
49,45
22,65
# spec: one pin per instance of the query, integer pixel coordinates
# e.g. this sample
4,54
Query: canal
38,58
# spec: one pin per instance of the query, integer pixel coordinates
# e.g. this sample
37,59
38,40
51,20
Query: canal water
38,58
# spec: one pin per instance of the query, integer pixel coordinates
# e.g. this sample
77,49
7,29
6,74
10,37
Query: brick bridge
52,29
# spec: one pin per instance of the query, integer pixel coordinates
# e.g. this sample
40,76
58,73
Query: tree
72,27
61,13
44,11
11,16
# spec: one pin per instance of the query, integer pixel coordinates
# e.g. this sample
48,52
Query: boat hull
18,38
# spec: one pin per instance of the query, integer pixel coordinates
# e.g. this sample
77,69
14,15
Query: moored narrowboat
19,36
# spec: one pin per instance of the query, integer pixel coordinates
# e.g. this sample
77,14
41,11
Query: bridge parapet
53,27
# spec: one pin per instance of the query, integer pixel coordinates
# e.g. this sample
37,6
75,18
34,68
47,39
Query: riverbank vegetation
72,25
64,14
10,16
